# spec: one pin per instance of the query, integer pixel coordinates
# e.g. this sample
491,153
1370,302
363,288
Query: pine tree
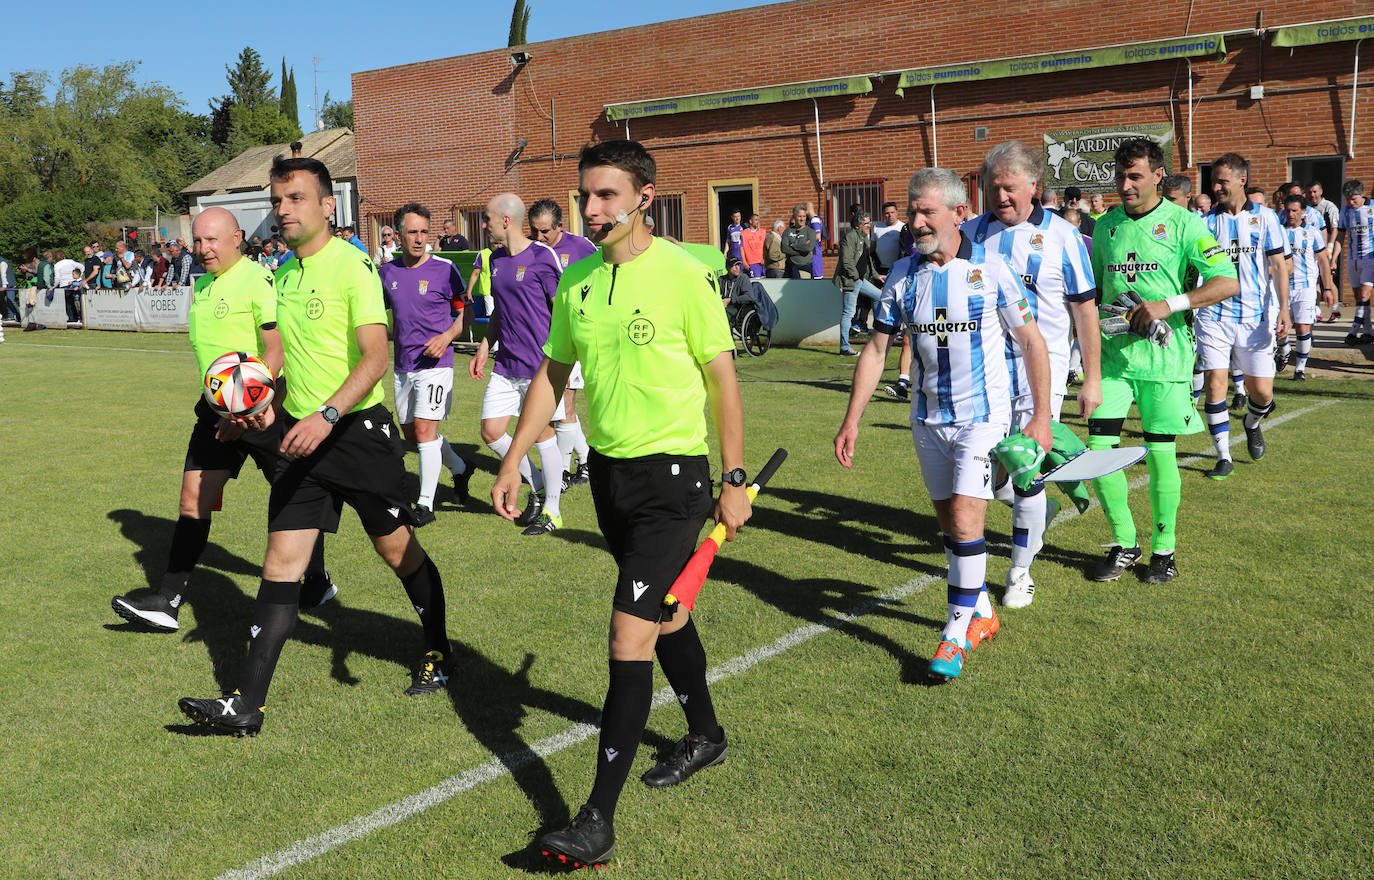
250,85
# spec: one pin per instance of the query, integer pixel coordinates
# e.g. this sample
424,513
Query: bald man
524,276
233,308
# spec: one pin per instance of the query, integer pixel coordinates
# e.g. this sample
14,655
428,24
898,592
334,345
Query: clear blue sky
187,49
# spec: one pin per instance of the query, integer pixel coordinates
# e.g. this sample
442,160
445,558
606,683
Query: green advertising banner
1082,157
1058,62
1325,32
824,88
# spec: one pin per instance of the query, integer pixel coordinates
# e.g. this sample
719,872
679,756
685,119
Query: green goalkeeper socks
1166,491
1112,492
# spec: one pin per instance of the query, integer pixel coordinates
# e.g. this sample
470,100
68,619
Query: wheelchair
747,328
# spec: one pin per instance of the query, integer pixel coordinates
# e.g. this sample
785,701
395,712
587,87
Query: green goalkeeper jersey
1157,255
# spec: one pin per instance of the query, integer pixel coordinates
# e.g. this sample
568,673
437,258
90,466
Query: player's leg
208,467
543,514
571,440
500,403
1359,291
1253,352
1104,432
549,516
1302,314
902,388
1166,410
569,433
274,619
1364,295
628,497
959,486
1030,514
680,653
1215,349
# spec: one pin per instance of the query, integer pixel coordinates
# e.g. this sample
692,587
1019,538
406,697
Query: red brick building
454,131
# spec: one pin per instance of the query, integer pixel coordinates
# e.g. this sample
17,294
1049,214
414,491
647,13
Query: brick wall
443,131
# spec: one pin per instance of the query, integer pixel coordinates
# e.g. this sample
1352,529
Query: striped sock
1258,412
1219,423
1238,381
968,569
1304,348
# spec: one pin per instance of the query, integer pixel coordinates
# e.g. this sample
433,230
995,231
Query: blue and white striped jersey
1049,254
956,315
1312,218
1304,243
1358,224
1250,237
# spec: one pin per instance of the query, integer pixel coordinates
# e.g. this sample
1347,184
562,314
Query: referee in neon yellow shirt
644,318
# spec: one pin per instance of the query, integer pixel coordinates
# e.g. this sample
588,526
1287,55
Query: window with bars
846,194
666,209
474,226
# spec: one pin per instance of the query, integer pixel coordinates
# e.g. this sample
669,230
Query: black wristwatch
331,415
735,477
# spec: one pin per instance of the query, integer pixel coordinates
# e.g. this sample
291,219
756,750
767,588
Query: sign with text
1083,157
825,88
1059,62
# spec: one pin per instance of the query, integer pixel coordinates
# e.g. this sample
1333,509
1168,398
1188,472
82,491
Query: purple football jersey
523,287
571,248
422,302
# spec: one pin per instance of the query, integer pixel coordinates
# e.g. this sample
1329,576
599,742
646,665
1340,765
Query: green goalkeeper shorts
1165,407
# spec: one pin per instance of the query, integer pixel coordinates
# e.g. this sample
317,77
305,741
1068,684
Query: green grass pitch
1218,727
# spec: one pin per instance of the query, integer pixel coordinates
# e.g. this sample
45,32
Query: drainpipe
820,163
934,140
1354,91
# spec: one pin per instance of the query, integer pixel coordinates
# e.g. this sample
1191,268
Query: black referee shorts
360,462
651,510
206,453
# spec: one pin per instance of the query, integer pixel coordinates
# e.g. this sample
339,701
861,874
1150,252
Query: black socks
426,591
684,664
274,619
188,543
622,727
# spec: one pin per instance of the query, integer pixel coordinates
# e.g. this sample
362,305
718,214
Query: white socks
571,439
430,458
551,470
500,447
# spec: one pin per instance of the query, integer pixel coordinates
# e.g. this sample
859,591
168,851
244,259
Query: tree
288,94
250,85
519,23
336,114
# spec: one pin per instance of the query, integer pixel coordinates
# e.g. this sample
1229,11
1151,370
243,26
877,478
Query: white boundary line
317,845
98,348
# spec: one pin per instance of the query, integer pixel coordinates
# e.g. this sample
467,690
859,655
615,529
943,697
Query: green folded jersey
1024,461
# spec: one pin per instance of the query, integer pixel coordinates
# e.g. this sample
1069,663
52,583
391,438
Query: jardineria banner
1083,157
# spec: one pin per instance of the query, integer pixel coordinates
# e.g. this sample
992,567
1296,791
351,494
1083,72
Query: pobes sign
1083,157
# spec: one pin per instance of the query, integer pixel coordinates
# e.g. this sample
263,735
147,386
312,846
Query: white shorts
575,382
424,394
1302,305
505,397
1361,271
1252,346
1022,408
957,459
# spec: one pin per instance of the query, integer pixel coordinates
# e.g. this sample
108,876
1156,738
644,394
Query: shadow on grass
490,700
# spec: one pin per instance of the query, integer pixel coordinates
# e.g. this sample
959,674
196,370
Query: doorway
729,196
1329,171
